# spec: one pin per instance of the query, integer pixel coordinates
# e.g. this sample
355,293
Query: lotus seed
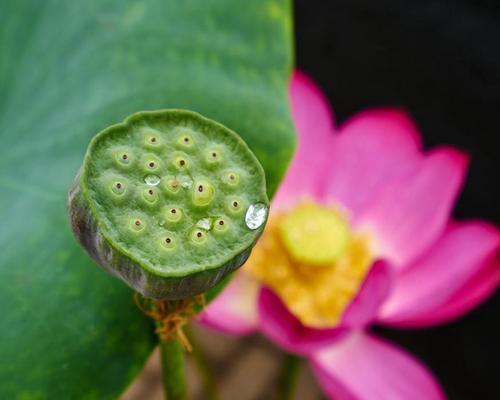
220,225
170,185
180,162
137,225
168,243
198,237
172,214
185,141
122,159
150,196
204,193
231,179
118,188
235,205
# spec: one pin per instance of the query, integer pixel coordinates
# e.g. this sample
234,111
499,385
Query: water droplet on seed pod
256,215
152,180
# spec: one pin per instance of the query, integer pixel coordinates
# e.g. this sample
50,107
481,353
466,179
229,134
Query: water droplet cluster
178,194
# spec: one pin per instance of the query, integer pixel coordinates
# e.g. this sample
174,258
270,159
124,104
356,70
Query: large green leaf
67,70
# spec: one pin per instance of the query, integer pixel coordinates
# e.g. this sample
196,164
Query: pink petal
314,124
234,311
363,367
373,147
286,331
373,293
409,214
464,300
453,263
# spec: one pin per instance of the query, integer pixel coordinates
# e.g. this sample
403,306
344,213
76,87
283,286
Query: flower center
312,260
314,234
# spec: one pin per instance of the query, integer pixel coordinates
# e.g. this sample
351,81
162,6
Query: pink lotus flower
360,233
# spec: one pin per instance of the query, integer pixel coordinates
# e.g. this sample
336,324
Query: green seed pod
169,201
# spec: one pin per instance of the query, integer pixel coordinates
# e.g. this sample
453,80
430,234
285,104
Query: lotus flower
360,234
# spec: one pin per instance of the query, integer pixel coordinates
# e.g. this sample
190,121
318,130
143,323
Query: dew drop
256,215
152,180
204,223
186,182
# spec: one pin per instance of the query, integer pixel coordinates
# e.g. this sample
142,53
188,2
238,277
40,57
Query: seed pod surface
166,201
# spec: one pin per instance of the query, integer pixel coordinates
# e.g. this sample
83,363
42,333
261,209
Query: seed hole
200,188
221,225
124,157
186,140
168,240
235,204
182,163
214,155
118,185
150,192
199,234
173,211
172,185
137,222
231,178
152,140
151,164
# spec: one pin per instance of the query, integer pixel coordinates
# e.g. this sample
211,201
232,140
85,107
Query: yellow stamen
312,262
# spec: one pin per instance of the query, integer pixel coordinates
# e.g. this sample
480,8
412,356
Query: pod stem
170,317
173,369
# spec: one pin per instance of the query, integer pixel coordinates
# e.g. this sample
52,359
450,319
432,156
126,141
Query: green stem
290,368
202,366
173,370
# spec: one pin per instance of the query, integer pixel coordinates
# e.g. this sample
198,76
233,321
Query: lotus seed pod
167,201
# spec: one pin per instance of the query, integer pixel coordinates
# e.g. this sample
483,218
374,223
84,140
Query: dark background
440,60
